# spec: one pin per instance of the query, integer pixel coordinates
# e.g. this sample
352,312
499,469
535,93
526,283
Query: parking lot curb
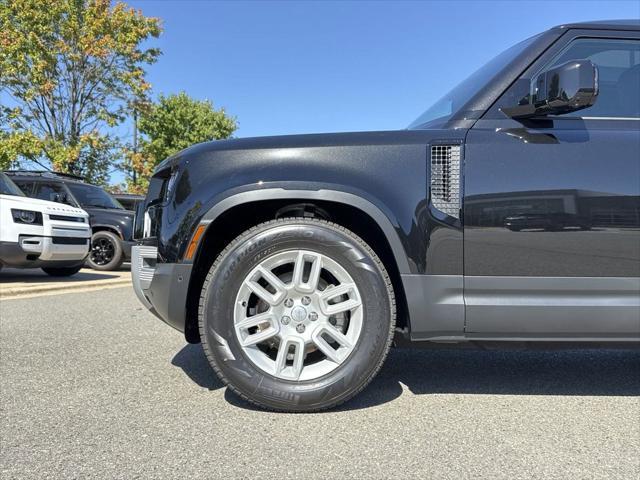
50,289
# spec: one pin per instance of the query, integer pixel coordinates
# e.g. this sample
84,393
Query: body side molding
552,306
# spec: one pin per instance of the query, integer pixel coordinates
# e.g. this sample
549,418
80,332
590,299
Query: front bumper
143,265
48,248
32,251
161,287
127,246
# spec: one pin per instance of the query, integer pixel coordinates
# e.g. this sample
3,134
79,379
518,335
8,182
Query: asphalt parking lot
93,386
33,282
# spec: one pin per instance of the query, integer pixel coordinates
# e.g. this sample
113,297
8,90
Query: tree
172,124
69,71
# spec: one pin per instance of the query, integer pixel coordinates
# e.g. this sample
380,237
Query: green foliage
177,121
71,69
172,124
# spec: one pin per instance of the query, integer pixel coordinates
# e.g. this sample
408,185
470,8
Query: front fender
337,196
96,227
384,174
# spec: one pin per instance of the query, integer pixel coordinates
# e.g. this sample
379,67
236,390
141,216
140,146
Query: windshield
443,109
7,187
92,196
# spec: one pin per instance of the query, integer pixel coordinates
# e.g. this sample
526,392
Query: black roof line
622,24
128,195
45,174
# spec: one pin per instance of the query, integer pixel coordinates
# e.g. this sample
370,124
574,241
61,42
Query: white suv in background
41,234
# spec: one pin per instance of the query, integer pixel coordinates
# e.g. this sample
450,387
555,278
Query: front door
552,206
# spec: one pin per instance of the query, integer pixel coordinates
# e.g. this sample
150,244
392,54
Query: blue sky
301,66
284,67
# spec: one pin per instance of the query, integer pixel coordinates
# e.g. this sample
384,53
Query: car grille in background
69,241
65,218
445,178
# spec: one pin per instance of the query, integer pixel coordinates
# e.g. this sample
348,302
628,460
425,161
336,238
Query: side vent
445,178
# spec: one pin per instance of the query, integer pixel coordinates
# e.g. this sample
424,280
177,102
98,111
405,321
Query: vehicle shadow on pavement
481,372
193,362
28,277
476,372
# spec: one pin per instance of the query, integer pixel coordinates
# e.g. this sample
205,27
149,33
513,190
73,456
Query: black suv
295,259
128,200
111,224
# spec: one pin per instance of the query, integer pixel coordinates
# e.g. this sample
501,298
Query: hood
110,212
313,140
43,206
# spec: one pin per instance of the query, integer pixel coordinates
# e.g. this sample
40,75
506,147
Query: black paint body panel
580,186
387,169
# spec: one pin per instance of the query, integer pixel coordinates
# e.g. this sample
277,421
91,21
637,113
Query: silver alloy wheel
298,315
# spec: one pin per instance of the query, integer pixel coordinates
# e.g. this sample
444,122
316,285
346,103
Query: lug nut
300,328
288,303
313,316
285,320
306,300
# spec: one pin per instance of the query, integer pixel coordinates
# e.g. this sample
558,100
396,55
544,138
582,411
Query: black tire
219,295
61,271
106,251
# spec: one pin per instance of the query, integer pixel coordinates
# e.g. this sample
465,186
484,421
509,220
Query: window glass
618,63
25,185
452,102
51,192
7,187
92,196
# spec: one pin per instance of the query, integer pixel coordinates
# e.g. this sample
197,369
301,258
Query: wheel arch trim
336,196
101,227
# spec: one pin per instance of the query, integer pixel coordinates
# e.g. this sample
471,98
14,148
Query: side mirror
569,87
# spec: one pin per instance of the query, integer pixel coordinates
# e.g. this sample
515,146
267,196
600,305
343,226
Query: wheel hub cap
298,315
102,251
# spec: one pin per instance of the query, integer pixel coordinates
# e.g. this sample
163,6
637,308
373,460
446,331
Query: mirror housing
566,88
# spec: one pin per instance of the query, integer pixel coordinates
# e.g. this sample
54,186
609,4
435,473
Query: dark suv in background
128,200
111,224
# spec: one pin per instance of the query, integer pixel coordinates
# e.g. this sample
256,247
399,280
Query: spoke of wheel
295,369
280,349
344,306
252,339
263,293
311,284
336,356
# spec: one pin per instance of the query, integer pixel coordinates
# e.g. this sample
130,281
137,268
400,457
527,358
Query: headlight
27,217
